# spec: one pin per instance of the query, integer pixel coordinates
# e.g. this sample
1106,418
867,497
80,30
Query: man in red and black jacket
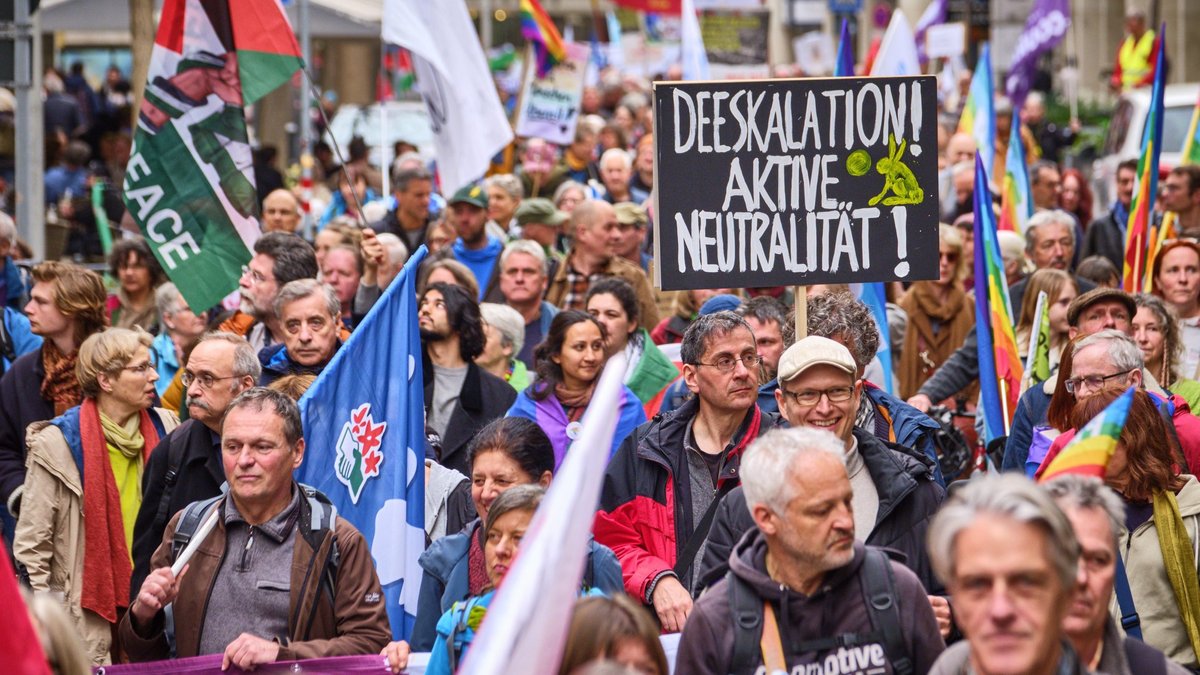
659,490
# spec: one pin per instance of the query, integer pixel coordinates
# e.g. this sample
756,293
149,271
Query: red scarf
106,565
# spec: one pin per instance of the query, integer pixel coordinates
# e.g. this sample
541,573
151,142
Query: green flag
189,184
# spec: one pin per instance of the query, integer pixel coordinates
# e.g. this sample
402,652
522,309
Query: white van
1124,138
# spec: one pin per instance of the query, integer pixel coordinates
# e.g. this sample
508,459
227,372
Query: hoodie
838,607
480,261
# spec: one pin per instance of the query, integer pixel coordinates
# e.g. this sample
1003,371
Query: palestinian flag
189,184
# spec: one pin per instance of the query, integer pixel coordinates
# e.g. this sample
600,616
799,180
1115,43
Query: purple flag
934,15
1045,28
211,665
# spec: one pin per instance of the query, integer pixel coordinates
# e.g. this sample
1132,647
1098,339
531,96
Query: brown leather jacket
353,621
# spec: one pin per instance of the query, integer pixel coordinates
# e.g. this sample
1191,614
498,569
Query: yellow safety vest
1134,58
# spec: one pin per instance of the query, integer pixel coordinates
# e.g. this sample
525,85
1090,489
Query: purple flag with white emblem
1045,28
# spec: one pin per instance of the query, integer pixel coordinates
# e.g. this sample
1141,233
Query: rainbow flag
1089,451
1168,229
979,113
1000,369
537,27
1141,211
1016,201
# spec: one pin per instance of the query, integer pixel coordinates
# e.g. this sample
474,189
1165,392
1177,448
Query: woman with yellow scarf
1162,527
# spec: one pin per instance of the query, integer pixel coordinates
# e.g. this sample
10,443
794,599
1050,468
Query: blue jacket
909,427
276,363
445,581
20,335
1031,411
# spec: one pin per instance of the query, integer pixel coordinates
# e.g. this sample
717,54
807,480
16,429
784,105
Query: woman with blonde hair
83,486
940,316
1061,288
1156,331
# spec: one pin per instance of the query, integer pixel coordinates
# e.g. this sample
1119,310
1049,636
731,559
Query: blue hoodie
481,261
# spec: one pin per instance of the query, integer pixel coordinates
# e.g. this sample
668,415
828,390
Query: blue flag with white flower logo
364,423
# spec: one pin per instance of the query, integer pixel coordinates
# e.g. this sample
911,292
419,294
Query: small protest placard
549,106
735,42
795,182
946,40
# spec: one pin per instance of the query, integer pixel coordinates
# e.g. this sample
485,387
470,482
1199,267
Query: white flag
469,124
526,625
898,50
694,58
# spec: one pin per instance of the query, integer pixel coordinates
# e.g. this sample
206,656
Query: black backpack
879,593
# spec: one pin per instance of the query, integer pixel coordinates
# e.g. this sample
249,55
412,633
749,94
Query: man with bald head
280,212
594,255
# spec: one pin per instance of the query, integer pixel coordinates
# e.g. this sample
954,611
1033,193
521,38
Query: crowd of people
774,493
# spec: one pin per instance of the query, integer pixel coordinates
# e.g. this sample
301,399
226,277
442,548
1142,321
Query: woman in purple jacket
568,364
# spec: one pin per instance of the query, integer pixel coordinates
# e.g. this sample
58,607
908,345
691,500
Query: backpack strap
7,349
176,447
193,515
747,610
879,591
1130,620
684,563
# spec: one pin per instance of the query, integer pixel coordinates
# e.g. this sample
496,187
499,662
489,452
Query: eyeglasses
205,379
811,397
726,364
256,277
1092,382
142,368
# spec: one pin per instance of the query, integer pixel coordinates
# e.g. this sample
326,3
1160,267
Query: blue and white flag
364,422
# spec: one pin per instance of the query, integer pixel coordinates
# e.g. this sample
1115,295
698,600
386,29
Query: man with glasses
279,258
1100,309
186,465
1110,359
663,485
895,495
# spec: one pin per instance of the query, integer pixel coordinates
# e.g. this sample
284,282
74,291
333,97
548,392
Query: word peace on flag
787,182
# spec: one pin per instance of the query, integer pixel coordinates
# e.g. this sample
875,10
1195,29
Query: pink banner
211,665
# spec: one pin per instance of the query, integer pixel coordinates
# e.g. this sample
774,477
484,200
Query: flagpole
1004,403
336,148
306,141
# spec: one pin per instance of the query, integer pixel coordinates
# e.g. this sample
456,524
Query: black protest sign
795,182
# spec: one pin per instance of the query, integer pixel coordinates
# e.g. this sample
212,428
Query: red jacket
645,514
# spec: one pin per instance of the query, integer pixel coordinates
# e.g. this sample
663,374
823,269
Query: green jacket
1188,390
654,371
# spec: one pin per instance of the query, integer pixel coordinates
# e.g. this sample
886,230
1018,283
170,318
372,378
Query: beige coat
49,537
1153,597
